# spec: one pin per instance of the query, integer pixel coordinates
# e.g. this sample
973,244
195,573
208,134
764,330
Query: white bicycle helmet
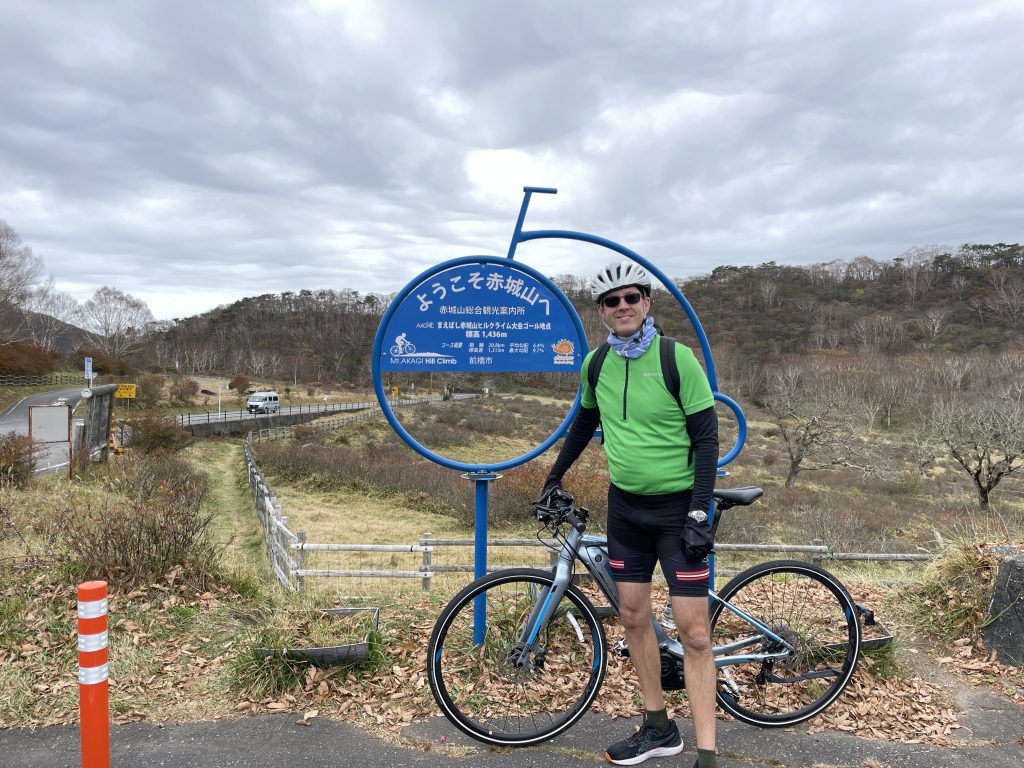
619,274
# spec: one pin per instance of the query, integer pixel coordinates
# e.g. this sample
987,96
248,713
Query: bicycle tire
810,608
482,695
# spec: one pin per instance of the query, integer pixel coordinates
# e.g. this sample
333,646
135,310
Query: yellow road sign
125,391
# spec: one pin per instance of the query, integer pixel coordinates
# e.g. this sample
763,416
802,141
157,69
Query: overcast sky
194,153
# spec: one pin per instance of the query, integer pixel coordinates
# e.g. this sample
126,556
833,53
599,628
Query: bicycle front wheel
479,687
778,682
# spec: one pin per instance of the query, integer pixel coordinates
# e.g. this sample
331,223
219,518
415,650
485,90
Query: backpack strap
594,370
670,372
594,367
669,369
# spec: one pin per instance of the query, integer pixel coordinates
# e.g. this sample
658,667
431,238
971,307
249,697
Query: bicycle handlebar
558,508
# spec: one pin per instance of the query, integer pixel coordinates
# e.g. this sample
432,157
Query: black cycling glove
550,486
697,538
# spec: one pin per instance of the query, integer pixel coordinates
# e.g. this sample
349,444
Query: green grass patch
950,600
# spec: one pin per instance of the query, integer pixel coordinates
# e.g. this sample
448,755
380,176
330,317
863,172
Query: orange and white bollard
93,706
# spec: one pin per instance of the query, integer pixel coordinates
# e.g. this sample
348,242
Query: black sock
705,758
658,720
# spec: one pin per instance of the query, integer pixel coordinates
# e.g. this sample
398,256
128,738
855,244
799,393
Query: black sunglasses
611,302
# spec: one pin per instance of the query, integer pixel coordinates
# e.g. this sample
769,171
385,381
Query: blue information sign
481,317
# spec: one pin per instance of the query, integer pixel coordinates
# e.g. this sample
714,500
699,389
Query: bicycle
406,348
786,638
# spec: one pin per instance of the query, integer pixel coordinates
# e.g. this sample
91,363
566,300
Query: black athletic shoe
645,743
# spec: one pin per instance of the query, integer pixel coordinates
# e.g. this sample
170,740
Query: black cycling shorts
646,529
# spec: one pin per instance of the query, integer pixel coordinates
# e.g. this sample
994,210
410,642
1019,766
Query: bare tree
900,391
807,411
117,323
934,321
51,311
769,293
985,438
19,270
1006,300
876,332
864,268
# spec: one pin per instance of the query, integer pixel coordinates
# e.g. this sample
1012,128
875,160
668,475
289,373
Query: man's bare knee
634,617
695,639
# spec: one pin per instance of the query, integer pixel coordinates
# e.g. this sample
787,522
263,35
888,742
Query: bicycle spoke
787,680
487,693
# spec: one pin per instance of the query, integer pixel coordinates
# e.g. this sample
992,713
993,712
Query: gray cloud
193,153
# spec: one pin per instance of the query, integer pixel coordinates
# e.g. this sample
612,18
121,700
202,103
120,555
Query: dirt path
236,524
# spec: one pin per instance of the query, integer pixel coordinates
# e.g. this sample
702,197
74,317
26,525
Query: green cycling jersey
645,437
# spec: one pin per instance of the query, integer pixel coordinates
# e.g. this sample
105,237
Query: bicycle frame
591,551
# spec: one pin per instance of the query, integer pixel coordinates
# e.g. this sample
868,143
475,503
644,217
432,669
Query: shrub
239,383
155,434
907,483
150,389
305,435
17,460
153,523
183,389
25,359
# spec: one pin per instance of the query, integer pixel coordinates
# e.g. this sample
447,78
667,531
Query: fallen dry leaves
162,665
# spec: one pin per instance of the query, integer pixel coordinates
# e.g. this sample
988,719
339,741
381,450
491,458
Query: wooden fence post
815,557
428,559
300,562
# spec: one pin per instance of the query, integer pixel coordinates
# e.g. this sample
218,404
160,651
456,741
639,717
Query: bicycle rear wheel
813,614
478,688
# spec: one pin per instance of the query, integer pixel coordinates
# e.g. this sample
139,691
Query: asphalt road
50,456
991,737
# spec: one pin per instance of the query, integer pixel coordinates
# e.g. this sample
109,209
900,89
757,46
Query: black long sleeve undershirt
580,433
702,428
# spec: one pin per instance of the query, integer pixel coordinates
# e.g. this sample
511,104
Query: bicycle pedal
621,649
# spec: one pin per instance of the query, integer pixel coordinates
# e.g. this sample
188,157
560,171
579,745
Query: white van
262,402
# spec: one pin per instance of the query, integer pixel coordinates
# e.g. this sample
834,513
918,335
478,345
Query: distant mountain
928,299
41,330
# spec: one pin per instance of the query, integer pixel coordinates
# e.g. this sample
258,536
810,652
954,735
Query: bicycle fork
543,610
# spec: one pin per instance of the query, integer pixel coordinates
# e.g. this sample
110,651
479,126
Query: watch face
698,516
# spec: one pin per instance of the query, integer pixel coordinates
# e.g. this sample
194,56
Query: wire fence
42,380
446,565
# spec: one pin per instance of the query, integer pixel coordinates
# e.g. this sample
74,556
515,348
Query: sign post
126,392
88,371
478,314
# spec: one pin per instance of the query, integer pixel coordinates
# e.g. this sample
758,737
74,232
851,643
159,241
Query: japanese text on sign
490,317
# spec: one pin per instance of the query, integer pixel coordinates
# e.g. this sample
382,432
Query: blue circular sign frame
378,383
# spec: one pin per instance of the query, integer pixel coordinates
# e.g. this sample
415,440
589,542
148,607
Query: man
662,465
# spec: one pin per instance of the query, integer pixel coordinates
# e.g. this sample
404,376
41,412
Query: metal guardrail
42,380
208,417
